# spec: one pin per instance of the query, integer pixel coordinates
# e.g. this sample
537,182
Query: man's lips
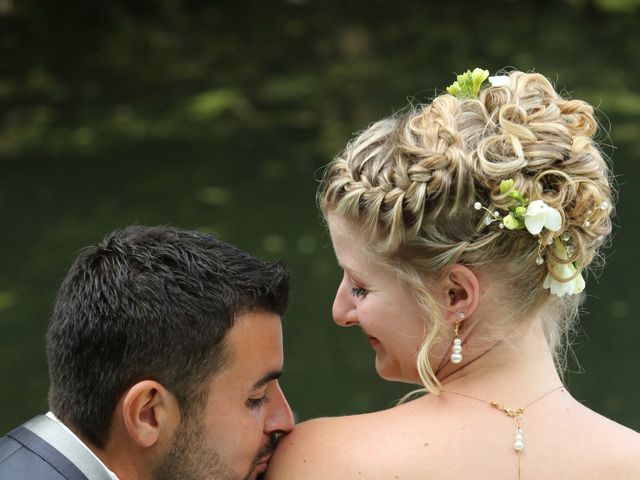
262,464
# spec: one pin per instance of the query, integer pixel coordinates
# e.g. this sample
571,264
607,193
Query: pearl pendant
518,444
456,356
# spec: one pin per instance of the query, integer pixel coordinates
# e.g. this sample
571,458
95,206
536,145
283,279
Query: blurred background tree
220,115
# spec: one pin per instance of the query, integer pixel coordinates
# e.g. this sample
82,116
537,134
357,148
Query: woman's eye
256,402
359,292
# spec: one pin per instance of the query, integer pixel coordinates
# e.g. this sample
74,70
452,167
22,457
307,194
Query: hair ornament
500,81
571,281
533,216
469,83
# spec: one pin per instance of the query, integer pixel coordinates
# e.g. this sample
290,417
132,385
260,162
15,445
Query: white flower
500,81
563,270
539,215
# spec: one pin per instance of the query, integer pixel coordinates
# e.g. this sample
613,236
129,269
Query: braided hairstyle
410,182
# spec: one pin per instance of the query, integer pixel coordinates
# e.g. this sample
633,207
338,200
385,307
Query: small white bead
496,214
460,315
477,205
566,237
456,349
501,225
604,205
587,223
457,341
539,261
487,221
518,445
589,212
456,358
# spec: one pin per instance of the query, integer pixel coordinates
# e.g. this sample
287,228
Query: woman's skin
449,436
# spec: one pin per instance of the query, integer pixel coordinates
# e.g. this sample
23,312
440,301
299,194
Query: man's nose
344,312
280,418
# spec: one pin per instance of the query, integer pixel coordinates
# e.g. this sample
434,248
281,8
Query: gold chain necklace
515,413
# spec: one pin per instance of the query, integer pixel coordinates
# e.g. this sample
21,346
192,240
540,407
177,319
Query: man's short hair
149,303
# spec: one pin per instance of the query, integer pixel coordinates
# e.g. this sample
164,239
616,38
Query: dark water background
219,116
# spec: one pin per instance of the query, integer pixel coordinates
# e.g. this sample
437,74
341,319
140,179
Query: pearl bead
604,205
456,349
456,358
487,221
539,261
587,223
477,205
566,237
457,341
518,445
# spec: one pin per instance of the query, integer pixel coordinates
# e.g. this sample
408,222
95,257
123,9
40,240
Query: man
164,351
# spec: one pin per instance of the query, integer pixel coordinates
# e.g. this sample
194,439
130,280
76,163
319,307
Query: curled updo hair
410,183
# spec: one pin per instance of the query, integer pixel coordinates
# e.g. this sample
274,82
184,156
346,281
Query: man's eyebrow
273,375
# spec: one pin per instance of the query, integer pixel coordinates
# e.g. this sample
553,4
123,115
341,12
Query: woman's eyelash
359,292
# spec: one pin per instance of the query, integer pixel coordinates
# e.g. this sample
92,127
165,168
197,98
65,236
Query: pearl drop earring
456,355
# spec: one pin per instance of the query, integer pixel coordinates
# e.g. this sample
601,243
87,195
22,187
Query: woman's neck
513,373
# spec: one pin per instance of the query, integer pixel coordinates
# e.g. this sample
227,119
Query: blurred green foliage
220,115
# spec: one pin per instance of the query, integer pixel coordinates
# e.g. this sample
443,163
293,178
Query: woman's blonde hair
410,182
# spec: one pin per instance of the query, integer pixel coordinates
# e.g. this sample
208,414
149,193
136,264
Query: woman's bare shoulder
617,446
317,445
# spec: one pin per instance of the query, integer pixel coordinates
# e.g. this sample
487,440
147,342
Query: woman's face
374,299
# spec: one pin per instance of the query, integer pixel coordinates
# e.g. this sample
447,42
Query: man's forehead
254,348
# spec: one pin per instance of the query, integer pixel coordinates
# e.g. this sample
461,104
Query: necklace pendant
518,444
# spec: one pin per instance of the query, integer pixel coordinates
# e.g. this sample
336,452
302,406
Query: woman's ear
149,411
462,291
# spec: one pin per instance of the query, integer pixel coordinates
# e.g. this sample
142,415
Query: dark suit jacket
41,449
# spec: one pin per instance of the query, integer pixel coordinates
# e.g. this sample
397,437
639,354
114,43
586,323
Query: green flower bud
506,185
454,89
520,211
478,76
511,222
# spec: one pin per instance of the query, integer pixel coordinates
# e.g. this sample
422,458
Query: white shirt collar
73,435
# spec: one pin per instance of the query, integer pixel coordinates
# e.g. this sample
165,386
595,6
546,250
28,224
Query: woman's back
457,438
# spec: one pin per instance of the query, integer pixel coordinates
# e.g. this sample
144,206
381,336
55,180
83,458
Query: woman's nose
344,312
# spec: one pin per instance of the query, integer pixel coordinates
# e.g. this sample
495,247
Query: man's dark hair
149,303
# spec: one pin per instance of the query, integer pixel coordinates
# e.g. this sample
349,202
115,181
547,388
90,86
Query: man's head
158,334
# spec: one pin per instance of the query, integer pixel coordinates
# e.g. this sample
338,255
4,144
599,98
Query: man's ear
462,290
149,411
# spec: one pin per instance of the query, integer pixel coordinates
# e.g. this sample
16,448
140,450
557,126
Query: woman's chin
393,373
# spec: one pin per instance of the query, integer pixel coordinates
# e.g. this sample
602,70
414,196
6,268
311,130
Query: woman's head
410,182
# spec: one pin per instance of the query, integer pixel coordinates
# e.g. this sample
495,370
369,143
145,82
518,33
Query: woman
463,228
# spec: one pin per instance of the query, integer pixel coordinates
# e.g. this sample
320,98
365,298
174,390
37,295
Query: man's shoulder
18,462
8,446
